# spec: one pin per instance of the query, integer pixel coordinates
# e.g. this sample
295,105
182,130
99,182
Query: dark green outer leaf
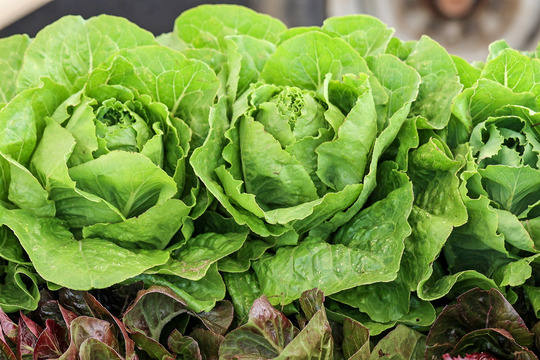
193,260
10,248
244,289
240,261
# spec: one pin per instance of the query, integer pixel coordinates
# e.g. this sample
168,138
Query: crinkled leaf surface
193,260
366,250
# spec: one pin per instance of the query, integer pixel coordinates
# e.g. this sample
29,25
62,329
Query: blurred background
464,27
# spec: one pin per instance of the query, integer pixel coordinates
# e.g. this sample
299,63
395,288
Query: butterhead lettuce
94,146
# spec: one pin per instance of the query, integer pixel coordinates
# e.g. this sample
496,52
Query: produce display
237,189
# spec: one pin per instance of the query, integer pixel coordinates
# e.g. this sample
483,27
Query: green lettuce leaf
69,49
102,262
12,51
366,250
366,34
207,26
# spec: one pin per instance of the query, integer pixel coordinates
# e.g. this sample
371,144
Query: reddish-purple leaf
475,310
311,301
265,335
219,318
67,315
8,327
355,339
27,336
5,351
85,327
475,356
99,309
498,342
152,309
52,342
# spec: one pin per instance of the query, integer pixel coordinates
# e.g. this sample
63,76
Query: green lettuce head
302,140
500,183
94,140
297,146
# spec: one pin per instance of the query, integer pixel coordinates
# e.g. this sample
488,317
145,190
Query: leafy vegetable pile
235,158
